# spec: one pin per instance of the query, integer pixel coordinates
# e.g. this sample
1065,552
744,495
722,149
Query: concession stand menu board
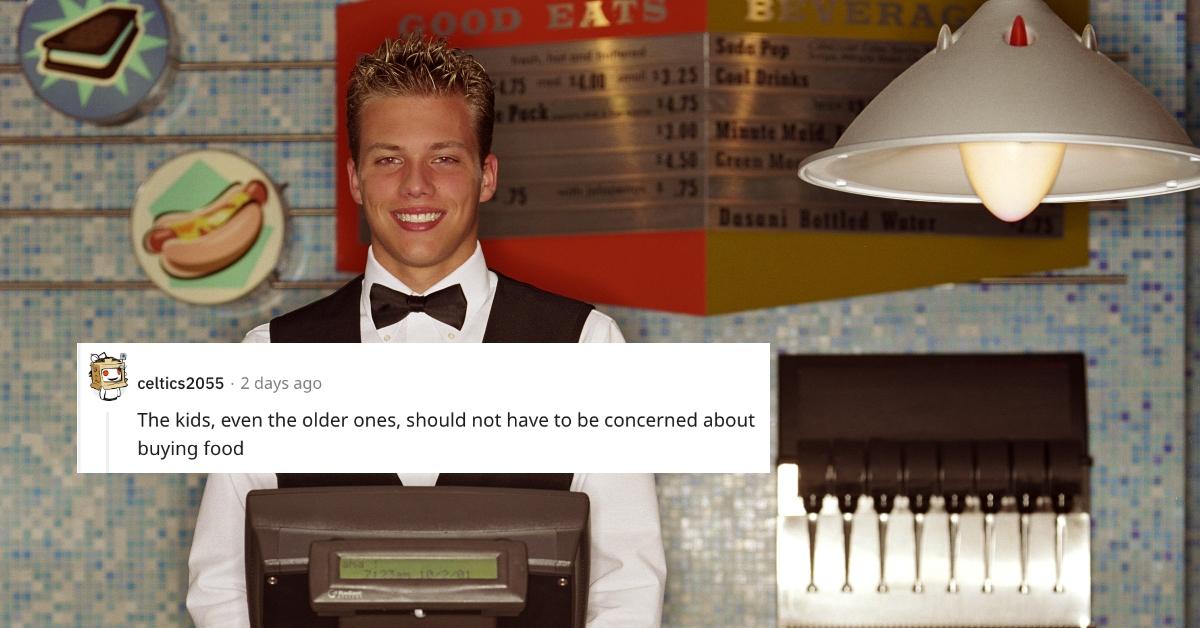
598,136
649,148
697,131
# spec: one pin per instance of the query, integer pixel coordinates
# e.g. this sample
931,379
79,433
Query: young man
420,124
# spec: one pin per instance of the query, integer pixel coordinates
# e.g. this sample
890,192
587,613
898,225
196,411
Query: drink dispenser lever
1029,483
849,484
1066,465
956,475
814,486
992,477
966,446
884,481
920,484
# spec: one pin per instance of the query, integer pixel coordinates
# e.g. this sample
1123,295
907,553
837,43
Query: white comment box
424,408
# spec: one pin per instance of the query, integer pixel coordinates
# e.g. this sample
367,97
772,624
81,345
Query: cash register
416,557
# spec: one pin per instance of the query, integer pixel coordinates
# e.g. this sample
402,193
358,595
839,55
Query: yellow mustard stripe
201,225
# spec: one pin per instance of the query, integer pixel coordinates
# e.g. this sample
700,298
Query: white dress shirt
628,569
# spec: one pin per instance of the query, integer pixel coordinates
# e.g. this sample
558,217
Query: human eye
446,159
388,161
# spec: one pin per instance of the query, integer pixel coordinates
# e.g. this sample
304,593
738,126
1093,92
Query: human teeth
427,217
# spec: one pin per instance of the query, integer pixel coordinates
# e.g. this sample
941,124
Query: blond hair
416,65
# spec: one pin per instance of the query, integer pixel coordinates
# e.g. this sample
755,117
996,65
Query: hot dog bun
188,259
195,223
204,241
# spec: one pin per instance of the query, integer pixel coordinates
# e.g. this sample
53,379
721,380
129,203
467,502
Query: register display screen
418,568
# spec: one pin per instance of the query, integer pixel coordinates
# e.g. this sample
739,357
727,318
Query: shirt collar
472,275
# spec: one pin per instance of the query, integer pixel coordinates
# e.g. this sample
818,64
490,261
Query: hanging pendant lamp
1011,110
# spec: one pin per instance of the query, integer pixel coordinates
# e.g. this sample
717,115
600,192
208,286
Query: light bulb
1011,178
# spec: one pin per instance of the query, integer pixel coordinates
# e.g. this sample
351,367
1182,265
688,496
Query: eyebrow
435,146
382,146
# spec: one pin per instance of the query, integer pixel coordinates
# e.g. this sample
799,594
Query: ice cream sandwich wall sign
208,226
104,62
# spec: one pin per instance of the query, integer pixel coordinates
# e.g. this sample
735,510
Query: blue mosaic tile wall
108,551
1192,493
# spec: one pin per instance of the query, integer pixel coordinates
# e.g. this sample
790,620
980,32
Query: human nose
417,181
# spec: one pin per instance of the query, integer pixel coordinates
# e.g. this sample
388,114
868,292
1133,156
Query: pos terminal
419,557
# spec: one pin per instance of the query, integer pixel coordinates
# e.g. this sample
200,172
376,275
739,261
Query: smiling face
419,181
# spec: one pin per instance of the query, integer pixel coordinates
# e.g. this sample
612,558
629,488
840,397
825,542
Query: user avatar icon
108,375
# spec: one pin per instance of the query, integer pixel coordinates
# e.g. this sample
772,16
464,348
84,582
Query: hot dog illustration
201,242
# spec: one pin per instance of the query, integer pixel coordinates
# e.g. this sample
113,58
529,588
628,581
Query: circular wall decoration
208,226
100,61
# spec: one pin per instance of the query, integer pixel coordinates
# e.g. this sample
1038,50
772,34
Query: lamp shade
982,83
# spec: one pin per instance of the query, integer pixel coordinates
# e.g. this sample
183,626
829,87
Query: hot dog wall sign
208,226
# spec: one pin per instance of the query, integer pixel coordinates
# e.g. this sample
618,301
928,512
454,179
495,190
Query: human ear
352,177
487,184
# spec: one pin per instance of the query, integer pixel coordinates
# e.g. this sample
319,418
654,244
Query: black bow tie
388,306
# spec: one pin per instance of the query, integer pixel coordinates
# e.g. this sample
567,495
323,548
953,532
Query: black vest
520,313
